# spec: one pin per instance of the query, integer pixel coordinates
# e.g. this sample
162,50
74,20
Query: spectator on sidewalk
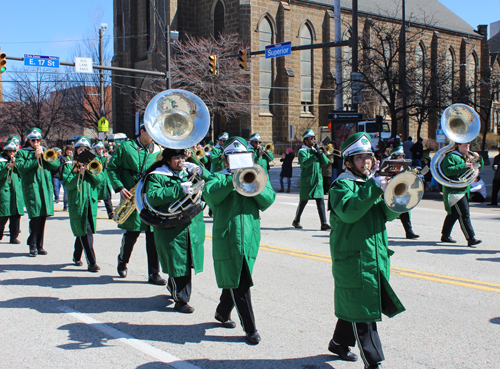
417,151
407,145
286,169
496,179
478,190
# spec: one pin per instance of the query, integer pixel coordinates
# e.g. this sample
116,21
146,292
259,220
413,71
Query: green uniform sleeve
161,192
114,172
350,203
25,162
265,199
453,165
217,188
3,170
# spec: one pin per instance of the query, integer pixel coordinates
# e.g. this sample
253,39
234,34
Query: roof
430,12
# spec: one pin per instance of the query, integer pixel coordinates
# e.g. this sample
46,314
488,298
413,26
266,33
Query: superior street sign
276,50
41,61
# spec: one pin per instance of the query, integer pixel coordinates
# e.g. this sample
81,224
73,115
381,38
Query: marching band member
11,195
236,239
82,199
260,158
398,154
37,188
360,255
104,188
179,248
129,162
456,200
217,152
311,179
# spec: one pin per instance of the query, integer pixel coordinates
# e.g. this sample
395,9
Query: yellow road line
433,277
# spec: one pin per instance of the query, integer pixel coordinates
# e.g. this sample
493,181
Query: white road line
129,340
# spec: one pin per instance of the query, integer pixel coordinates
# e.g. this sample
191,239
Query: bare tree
226,93
35,100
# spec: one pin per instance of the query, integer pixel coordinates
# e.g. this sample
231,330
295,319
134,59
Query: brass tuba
176,119
460,124
251,181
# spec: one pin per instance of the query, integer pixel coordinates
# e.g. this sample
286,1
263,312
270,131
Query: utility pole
168,78
339,99
101,72
354,40
403,71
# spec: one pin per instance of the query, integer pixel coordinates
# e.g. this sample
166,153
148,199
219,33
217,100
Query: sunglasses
35,139
179,157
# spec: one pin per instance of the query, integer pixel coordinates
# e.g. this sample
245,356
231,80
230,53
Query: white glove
187,187
381,181
193,168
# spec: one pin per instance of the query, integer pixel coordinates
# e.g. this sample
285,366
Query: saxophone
125,208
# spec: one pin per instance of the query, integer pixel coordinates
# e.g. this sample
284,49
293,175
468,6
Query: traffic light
244,59
213,64
3,62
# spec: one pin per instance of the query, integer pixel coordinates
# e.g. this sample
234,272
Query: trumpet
250,182
199,153
329,150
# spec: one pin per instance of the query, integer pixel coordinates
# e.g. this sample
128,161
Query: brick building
295,89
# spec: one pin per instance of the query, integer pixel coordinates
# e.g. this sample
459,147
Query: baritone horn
94,167
461,124
404,192
251,181
50,155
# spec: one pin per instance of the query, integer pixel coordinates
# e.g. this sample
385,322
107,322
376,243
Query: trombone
329,150
268,148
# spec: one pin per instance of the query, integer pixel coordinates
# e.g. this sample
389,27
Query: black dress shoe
122,268
411,235
343,352
93,268
473,241
183,307
41,251
156,279
325,227
447,239
78,263
32,251
253,338
15,241
296,224
227,323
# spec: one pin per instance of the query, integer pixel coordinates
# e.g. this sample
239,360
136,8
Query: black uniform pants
320,204
180,288
128,241
14,225
107,202
37,230
494,191
85,243
241,298
406,222
460,212
365,334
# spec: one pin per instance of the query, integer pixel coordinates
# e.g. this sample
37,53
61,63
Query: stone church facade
296,89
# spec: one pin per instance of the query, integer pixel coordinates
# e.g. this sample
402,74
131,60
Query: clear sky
50,28
475,12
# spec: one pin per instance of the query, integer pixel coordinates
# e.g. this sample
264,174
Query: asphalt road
56,315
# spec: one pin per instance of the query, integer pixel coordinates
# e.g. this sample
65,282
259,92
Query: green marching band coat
359,249
454,165
162,187
215,159
36,183
11,194
129,159
260,160
311,178
82,198
236,227
102,189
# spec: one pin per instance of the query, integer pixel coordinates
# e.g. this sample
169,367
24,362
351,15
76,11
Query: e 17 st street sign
41,61
276,50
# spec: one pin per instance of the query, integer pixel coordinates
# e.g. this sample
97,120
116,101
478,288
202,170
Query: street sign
41,61
440,136
103,125
83,65
276,50
100,135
